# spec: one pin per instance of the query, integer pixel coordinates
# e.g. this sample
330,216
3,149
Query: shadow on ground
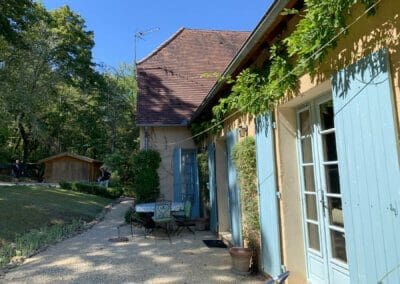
91,257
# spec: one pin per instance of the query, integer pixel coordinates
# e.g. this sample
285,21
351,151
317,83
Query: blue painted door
267,189
212,186
186,178
234,194
367,144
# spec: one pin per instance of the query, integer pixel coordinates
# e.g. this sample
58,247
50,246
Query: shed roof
173,81
66,154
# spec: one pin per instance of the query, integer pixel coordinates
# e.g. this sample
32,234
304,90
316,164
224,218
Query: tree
57,52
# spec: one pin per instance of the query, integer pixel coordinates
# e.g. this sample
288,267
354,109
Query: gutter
268,19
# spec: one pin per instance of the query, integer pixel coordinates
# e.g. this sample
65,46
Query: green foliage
128,216
244,158
257,91
67,185
29,243
202,161
52,98
91,188
146,182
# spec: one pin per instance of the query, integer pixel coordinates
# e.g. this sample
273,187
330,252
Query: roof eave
266,22
161,125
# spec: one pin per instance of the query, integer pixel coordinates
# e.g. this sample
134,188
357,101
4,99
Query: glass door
323,220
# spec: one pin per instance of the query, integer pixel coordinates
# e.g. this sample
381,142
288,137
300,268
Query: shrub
202,160
146,183
128,216
91,188
114,192
244,157
66,185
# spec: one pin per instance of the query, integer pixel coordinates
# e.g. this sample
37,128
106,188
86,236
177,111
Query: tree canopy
53,97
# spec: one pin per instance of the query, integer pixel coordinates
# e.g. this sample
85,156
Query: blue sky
115,22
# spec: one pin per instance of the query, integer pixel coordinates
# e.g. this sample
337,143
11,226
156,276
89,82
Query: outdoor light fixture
243,130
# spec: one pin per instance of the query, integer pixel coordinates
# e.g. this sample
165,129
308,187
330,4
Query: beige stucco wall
365,36
165,140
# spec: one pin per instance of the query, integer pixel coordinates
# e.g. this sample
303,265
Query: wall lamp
243,129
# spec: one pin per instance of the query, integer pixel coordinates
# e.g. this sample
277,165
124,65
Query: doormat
214,243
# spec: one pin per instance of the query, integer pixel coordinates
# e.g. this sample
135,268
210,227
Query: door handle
323,203
393,209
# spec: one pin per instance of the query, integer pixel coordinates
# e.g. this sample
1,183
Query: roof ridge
177,33
161,46
216,30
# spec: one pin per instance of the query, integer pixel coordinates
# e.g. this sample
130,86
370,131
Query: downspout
277,175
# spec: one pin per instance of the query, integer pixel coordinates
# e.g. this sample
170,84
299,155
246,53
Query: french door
323,220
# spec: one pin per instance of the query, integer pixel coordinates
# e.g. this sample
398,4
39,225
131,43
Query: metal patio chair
185,220
162,216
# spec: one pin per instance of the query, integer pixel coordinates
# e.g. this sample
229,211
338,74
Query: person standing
17,169
104,177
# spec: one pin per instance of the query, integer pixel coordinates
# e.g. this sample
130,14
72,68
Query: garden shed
70,167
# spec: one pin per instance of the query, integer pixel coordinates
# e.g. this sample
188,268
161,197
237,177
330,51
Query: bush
66,185
146,183
91,188
128,216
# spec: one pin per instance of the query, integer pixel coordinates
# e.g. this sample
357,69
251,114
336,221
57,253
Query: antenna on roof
140,35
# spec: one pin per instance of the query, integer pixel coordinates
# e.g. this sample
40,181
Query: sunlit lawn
23,208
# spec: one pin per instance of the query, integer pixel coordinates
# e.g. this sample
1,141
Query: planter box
201,224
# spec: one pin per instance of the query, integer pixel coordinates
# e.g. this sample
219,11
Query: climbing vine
256,91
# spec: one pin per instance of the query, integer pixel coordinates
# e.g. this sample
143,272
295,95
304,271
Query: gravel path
91,258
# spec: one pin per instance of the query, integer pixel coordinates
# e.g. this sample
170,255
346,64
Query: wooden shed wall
70,169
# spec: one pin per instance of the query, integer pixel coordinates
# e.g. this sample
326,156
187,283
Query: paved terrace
91,258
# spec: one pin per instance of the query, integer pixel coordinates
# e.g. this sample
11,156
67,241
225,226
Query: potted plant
241,259
245,258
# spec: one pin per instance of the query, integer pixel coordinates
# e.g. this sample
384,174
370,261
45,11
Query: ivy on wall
256,91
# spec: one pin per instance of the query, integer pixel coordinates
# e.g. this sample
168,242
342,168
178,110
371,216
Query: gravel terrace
91,258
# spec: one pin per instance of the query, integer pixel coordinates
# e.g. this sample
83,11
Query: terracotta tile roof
171,81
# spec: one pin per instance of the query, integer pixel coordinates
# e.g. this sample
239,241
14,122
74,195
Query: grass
24,208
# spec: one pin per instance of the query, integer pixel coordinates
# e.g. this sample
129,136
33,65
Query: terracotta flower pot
241,258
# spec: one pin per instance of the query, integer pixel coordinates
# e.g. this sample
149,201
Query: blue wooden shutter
267,188
213,188
367,147
195,189
176,167
234,195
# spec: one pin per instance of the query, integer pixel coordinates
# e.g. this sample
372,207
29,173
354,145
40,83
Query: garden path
91,258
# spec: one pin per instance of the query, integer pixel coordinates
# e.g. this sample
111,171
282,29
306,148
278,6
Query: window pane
326,115
329,147
332,179
308,172
335,211
338,245
305,126
311,207
306,150
313,236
